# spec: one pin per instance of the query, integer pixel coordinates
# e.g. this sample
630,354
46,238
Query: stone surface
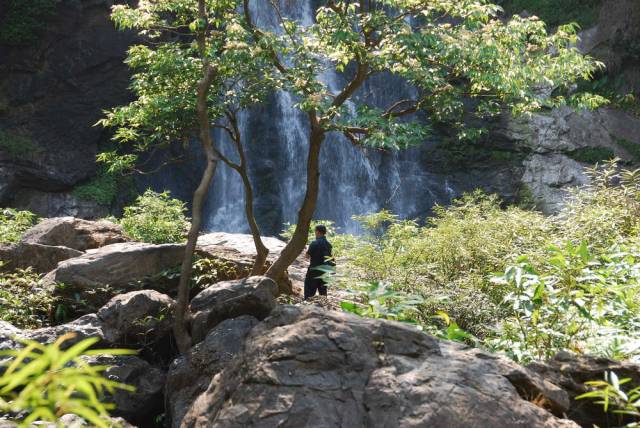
253,296
190,375
52,92
571,371
42,258
549,178
314,368
102,273
74,233
83,328
138,318
614,41
139,407
552,138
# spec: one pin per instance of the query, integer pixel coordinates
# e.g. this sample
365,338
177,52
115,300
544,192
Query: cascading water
353,180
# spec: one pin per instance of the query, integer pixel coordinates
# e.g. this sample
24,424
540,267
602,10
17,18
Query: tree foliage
44,382
156,218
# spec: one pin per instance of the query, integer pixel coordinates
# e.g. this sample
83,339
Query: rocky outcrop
74,233
139,406
615,40
83,328
571,371
102,273
253,296
137,319
190,375
309,367
41,258
555,142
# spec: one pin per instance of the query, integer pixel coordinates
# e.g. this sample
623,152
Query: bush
103,188
156,218
14,223
43,382
568,282
24,19
24,301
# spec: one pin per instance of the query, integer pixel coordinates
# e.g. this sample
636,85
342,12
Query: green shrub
570,282
24,19
156,218
632,148
592,154
24,300
621,402
604,213
103,188
14,223
43,382
16,144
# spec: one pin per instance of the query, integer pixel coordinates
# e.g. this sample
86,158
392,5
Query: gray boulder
306,367
41,258
82,328
139,318
99,274
570,372
74,233
146,401
229,299
190,375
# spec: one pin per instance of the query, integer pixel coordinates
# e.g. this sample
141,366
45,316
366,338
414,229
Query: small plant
45,382
208,271
592,154
610,394
16,144
14,223
378,300
24,300
103,188
156,218
23,20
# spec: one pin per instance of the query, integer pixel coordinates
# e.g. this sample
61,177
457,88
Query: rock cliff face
52,92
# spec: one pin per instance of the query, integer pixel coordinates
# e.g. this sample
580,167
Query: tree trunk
180,328
262,252
301,234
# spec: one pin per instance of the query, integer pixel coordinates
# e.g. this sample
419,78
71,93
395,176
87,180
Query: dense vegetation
519,282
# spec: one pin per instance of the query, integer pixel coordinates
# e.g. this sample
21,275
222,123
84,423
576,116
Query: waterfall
353,180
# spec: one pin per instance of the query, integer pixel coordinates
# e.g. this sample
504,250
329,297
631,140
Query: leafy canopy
451,51
167,73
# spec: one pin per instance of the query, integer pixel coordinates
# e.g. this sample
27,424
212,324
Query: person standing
319,253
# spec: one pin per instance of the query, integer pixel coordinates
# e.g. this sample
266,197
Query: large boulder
41,258
99,274
570,372
253,296
74,233
142,405
190,374
138,318
314,368
87,326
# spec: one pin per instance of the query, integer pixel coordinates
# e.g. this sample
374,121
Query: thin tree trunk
180,328
301,234
262,252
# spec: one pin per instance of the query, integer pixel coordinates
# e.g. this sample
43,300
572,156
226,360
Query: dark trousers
313,284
